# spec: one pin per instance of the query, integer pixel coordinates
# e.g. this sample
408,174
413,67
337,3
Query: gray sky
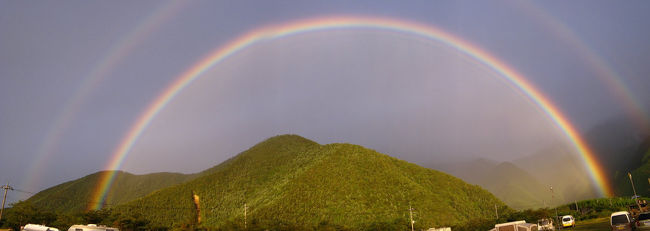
75,75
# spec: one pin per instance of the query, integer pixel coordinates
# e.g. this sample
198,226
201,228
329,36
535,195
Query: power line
6,188
22,191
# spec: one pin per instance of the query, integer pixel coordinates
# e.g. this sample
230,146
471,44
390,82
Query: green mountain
621,146
640,175
75,196
294,182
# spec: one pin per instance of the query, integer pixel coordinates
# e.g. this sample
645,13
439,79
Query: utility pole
496,210
556,216
411,216
5,187
632,182
636,200
577,209
245,216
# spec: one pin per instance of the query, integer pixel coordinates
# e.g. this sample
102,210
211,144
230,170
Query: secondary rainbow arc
98,73
317,24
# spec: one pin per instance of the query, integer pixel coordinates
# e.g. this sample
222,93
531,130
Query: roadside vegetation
589,214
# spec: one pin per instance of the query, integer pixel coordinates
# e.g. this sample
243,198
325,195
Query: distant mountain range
525,183
290,180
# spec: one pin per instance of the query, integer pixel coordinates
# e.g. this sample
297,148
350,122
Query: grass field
598,224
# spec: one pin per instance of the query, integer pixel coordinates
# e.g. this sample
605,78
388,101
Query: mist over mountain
525,183
618,144
531,176
564,171
508,182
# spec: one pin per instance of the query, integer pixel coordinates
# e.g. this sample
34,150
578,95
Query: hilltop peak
287,138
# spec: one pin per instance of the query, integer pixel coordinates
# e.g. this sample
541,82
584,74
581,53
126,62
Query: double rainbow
330,23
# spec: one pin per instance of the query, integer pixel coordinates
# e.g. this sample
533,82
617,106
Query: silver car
643,222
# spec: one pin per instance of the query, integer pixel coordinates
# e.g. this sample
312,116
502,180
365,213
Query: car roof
620,213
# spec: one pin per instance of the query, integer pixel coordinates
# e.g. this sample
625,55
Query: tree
23,212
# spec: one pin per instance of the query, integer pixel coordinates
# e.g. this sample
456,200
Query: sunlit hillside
77,195
291,180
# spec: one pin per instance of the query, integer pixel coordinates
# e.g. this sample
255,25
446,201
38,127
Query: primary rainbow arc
215,57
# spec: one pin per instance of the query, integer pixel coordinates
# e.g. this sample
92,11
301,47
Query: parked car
643,221
545,224
515,226
568,221
91,227
640,206
33,227
621,221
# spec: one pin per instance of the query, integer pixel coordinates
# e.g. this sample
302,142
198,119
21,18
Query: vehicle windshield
619,219
544,222
644,216
566,219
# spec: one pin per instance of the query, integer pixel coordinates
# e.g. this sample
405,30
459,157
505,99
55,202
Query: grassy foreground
597,224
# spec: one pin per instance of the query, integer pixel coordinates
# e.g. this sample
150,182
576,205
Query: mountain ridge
295,182
303,183
76,195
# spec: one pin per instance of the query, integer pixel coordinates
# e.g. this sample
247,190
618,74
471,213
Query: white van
515,226
91,227
621,221
33,227
568,221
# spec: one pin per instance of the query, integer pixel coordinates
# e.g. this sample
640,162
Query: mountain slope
520,191
508,182
291,180
75,196
524,183
564,171
640,175
618,143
